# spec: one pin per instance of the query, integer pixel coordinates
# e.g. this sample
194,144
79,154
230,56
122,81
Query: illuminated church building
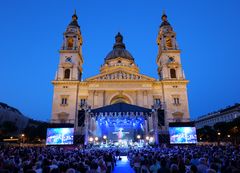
120,86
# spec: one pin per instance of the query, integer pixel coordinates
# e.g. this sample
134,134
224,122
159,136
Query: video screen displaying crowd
172,159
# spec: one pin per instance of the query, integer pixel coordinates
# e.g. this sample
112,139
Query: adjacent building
223,115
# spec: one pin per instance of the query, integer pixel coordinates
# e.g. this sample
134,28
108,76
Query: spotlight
90,139
96,138
147,137
104,137
151,138
138,136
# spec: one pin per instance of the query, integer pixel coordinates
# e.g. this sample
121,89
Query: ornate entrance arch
120,99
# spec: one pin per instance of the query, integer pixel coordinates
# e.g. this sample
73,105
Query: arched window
173,73
120,99
70,43
67,74
169,42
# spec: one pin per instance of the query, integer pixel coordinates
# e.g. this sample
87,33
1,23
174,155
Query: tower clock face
68,59
171,59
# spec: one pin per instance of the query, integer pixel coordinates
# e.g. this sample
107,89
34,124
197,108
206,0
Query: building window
67,74
70,43
64,101
82,102
173,73
169,42
176,101
157,101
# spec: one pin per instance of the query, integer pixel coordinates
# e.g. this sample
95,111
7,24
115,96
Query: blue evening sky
208,33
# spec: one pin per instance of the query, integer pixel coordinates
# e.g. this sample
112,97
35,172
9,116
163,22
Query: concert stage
122,125
119,124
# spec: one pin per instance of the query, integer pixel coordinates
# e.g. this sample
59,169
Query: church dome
119,49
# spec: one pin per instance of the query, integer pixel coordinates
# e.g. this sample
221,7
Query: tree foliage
8,127
221,131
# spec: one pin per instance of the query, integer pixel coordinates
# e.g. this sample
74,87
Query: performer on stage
120,133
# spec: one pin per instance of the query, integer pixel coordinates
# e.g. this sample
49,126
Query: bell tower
168,58
171,74
71,59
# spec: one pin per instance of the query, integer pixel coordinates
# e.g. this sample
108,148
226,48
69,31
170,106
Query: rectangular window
82,102
176,101
157,101
64,101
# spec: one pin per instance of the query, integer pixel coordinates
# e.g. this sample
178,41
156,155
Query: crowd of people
171,159
56,160
186,159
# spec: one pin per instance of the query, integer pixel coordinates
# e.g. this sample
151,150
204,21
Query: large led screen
120,128
59,136
183,135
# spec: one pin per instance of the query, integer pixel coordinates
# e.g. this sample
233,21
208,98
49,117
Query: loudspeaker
81,118
161,117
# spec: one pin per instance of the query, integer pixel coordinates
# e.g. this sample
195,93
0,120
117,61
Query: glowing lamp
90,139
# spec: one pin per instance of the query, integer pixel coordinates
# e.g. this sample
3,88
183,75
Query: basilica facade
119,79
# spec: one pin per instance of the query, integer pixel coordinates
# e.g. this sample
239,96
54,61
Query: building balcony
67,121
178,119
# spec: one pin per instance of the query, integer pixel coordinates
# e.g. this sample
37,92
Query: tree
207,133
36,130
222,127
8,127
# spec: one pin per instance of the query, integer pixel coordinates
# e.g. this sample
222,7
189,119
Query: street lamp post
229,138
22,136
218,137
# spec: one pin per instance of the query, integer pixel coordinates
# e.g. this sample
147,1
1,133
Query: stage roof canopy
121,107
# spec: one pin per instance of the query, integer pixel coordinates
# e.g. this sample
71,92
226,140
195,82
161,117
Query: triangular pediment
122,75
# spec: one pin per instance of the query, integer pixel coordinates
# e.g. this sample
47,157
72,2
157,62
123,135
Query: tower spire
74,21
74,16
164,20
163,12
